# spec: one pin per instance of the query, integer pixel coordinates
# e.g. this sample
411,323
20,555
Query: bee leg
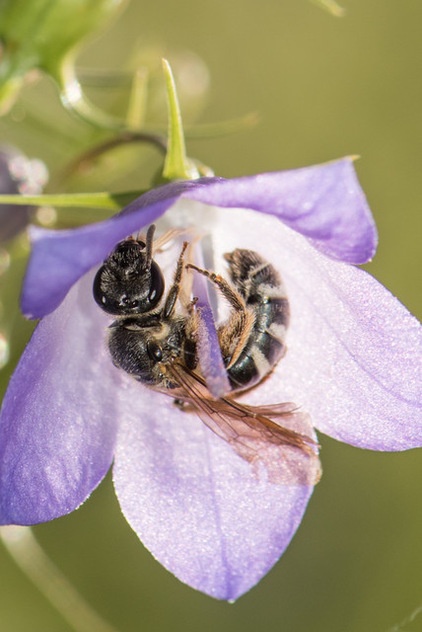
233,297
234,333
174,291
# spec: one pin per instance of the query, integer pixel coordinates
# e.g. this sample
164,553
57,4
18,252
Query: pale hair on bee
154,338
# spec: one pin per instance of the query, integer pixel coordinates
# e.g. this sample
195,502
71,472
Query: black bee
154,339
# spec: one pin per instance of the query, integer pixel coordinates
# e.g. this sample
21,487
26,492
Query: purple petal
57,427
195,504
324,202
361,380
353,350
210,359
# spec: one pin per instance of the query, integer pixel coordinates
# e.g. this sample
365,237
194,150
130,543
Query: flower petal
210,359
353,358
361,370
57,428
195,504
324,202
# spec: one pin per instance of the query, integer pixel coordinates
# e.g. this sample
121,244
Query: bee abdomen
263,291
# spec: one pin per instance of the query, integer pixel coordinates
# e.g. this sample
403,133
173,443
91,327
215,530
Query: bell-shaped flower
201,509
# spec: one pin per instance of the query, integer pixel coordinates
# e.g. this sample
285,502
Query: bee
154,339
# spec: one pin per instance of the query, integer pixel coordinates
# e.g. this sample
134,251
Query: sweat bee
154,339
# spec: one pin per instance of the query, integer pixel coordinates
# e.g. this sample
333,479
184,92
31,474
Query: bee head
129,281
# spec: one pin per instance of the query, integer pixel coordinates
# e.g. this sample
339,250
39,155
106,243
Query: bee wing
284,453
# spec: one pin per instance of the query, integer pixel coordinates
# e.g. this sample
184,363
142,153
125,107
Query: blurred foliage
331,6
44,35
323,88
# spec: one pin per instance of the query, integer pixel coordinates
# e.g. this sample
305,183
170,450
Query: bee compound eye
99,296
157,284
154,351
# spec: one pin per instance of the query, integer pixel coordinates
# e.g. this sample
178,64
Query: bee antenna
149,242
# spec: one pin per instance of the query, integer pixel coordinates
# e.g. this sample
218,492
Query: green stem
407,621
73,99
121,138
101,200
37,566
331,6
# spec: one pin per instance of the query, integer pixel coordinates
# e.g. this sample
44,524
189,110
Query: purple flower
352,364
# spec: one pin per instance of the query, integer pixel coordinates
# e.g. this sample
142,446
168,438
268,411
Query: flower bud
40,34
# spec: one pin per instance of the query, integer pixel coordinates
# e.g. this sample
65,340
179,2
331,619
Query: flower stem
331,6
407,621
121,138
37,566
73,99
100,200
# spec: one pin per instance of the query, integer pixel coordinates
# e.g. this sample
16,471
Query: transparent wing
283,450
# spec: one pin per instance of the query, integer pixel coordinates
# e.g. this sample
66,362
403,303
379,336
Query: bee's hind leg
235,332
233,297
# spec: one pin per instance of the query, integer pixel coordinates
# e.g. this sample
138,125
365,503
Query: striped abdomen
263,292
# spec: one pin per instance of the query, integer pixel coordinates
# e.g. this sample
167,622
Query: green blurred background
323,87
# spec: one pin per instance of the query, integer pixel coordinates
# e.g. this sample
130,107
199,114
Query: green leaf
177,166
